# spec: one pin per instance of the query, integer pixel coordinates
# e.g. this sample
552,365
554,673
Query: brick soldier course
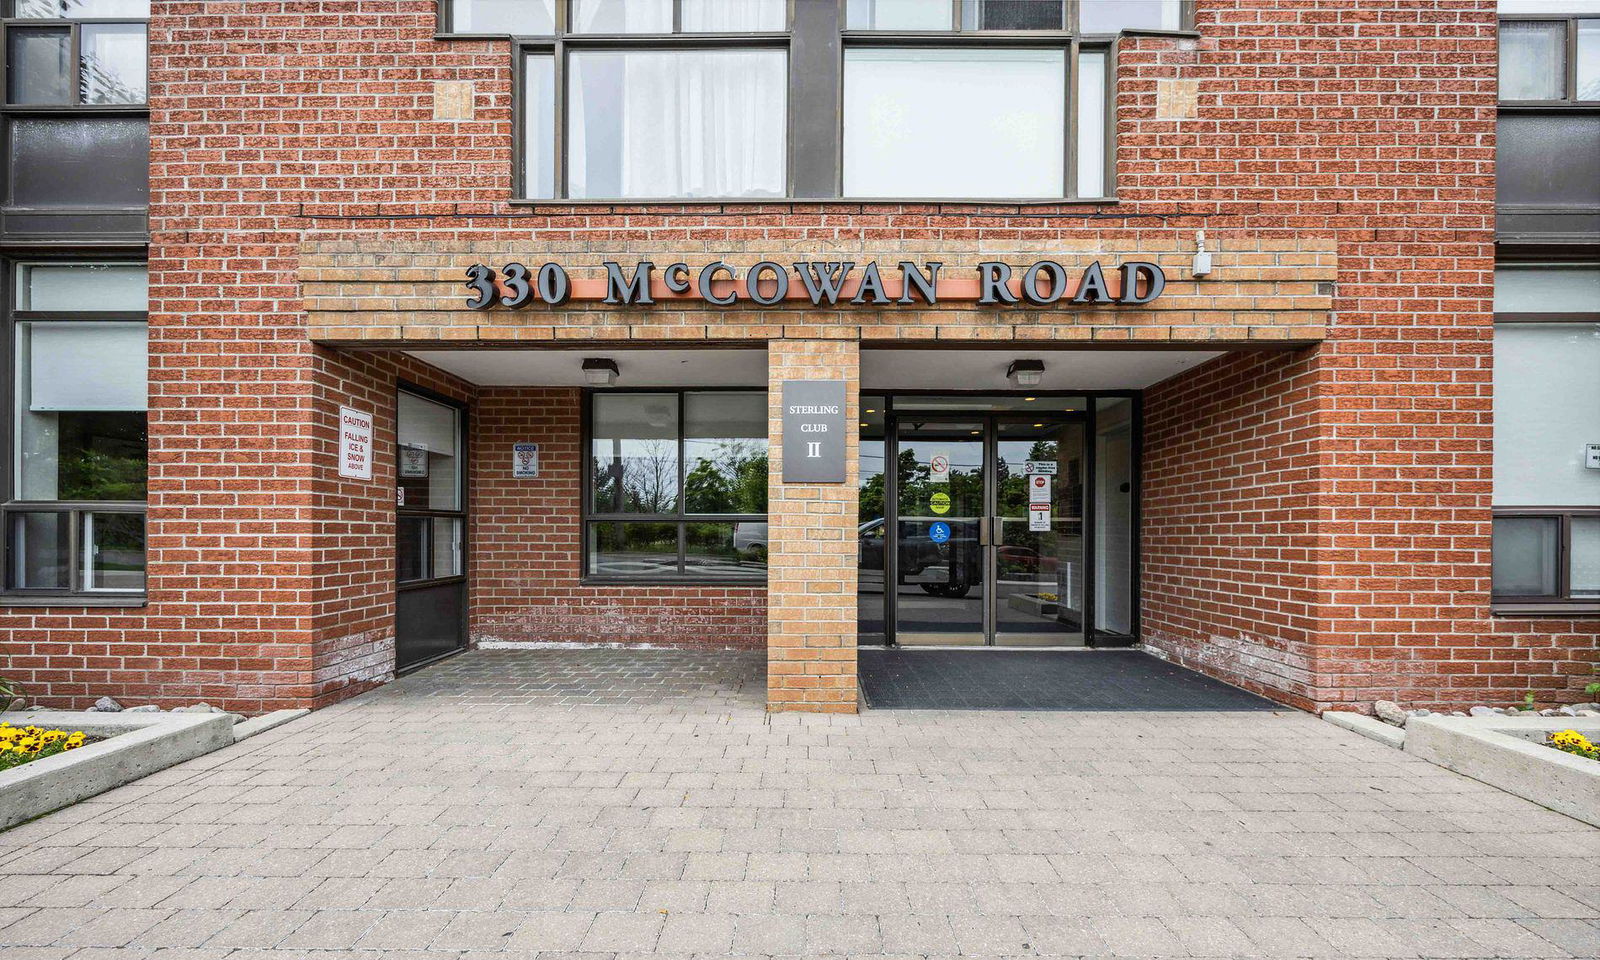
1316,502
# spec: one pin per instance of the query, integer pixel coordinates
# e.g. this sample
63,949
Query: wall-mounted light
599,371
1025,373
1202,259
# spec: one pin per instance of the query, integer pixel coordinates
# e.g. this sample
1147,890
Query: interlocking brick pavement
493,807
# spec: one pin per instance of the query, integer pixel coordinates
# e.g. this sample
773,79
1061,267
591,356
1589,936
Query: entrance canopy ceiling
946,369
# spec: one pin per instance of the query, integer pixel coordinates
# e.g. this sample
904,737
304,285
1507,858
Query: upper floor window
1546,416
74,513
729,99
1550,51
75,52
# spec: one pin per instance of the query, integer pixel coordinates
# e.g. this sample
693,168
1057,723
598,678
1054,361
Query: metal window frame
10,506
1568,98
463,485
814,41
94,219
681,518
1563,515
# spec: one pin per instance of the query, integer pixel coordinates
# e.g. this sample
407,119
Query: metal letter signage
813,431
821,283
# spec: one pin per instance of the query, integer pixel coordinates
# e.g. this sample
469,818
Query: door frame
463,412
1093,636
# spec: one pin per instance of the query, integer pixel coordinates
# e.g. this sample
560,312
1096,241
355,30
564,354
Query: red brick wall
274,120
525,546
1230,522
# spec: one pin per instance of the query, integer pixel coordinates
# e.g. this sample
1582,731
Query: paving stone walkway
488,809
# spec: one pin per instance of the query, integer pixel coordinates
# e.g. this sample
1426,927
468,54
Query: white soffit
880,369
986,369
636,368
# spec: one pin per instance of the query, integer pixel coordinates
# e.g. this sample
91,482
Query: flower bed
19,745
1573,742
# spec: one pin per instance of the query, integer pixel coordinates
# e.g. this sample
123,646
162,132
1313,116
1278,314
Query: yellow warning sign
939,503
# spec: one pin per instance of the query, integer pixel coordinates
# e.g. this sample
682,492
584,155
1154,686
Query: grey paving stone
583,793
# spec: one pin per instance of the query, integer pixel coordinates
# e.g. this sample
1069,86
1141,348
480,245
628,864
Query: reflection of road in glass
637,565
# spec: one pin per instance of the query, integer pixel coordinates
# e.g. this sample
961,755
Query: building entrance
988,527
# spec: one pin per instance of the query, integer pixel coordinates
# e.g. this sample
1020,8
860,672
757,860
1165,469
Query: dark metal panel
1535,198
428,622
815,84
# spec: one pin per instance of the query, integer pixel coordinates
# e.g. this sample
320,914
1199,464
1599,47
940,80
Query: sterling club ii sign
821,282
813,431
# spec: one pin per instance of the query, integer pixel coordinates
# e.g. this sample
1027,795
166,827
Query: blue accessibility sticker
939,531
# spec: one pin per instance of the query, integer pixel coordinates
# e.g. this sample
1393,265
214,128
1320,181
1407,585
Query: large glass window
677,486
74,111
523,18
79,450
726,99
900,138
1550,51
1546,418
75,52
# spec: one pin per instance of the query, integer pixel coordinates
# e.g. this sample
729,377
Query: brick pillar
811,561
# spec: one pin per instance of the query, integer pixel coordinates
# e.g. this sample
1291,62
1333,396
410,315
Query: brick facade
525,547
1316,514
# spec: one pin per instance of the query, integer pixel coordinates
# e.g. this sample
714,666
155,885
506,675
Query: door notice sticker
939,467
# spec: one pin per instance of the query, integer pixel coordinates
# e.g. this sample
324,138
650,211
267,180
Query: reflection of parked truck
750,538
956,562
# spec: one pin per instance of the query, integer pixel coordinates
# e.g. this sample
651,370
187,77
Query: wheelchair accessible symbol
939,532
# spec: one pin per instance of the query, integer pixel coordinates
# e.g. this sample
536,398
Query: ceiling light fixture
1025,373
599,371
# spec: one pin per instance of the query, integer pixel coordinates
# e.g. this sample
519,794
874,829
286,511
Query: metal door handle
983,531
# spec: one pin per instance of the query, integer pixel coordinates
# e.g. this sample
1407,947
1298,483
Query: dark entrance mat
899,679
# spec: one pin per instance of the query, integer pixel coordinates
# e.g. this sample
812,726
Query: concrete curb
245,729
1509,753
139,744
1370,727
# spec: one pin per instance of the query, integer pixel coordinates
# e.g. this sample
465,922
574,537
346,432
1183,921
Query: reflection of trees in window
730,477
640,476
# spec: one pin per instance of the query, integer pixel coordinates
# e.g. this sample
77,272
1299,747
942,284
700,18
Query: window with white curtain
1546,416
74,513
676,123
705,99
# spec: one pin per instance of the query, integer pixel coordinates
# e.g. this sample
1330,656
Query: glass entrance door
1039,572
988,531
940,558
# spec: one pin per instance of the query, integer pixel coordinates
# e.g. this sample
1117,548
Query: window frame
463,484
1568,99
1562,604
100,221
815,39
77,594
681,518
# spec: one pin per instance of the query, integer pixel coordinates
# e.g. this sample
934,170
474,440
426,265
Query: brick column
811,562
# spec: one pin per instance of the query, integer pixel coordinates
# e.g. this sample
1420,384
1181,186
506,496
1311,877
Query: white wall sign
355,444
1041,466
939,466
525,460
